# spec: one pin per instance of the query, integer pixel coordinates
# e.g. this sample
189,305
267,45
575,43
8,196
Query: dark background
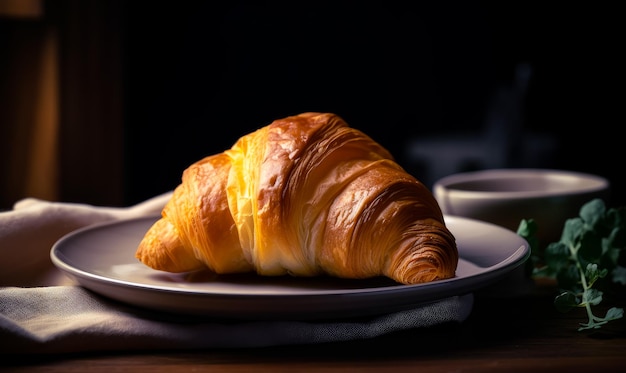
199,76
149,87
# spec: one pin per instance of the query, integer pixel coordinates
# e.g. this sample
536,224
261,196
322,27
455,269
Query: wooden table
520,334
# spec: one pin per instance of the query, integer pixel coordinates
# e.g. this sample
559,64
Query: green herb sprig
588,262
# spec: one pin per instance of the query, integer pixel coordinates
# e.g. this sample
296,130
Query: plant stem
583,281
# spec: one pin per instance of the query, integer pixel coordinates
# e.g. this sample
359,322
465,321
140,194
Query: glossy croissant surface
306,195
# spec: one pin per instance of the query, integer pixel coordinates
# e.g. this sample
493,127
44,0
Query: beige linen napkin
28,232
43,311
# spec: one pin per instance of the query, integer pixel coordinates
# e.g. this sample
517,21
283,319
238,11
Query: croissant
306,195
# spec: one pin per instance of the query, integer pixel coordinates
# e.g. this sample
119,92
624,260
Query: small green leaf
572,230
616,218
617,237
557,256
619,275
592,212
592,297
565,301
569,279
590,247
614,313
610,255
527,228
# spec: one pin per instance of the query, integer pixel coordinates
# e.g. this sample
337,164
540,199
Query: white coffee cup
506,196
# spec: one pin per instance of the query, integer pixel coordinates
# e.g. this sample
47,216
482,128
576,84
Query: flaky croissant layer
305,195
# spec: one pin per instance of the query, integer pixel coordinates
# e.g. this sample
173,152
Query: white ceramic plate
101,258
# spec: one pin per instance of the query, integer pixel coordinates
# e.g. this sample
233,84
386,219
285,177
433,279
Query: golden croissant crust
305,195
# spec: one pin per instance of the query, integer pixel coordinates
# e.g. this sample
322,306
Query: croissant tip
161,249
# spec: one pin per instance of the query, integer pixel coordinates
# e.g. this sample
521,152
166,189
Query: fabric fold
64,319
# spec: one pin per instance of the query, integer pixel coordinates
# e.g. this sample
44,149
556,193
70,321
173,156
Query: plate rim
125,291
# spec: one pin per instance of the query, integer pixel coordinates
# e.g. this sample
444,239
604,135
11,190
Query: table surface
523,333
